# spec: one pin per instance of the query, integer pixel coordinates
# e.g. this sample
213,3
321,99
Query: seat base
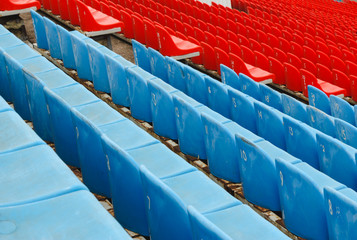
103,32
267,81
15,12
190,55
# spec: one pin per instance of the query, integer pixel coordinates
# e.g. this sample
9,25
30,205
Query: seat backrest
342,110
294,108
321,121
292,77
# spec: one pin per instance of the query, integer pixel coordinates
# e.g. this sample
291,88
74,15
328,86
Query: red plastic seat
207,52
222,44
309,42
267,50
92,20
309,66
298,39
255,45
169,22
184,18
231,26
234,48
323,58
201,25
255,73
104,8
198,59
247,55
284,44
72,10
189,31
172,46
309,54
13,5
54,7
337,63
292,77
322,47
139,29
64,10
261,61
273,41
241,29
193,21
221,32
276,67
351,68
177,34
324,73
95,4
232,36
328,88
294,60
150,34
251,33
296,49
210,39
262,36
280,55
199,34
342,80
242,40
221,58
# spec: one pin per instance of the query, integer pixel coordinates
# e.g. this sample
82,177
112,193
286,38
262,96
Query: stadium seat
162,108
292,77
294,108
249,87
40,30
116,68
34,173
342,110
34,84
64,10
59,102
337,160
158,66
13,7
243,105
308,78
346,132
66,48
207,51
167,194
301,136
278,69
91,221
95,23
319,99
138,28
217,96
230,77
137,79
52,38
150,36
176,74
340,205
257,74
175,47
271,97
196,85
230,223
301,194
320,121
341,79
141,56
15,68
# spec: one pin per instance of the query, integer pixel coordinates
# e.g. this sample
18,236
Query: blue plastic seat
52,38
98,67
40,30
342,109
127,188
15,134
87,120
340,208
346,132
15,68
242,110
141,56
32,174
337,160
176,74
230,77
59,102
65,43
137,80
167,200
270,124
221,149
320,121
319,99
234,223
35,83
116,69
298,136
89,220
158,66
294,108
196,85
162,108
302,199
258,171
81,57
249,86
189,125
18,52
4,106
271,97
217,95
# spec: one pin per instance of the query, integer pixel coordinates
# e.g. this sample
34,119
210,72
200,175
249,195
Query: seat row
117,150
13,7
39,191
191,110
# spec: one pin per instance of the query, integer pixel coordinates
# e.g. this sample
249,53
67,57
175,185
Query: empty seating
13,7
